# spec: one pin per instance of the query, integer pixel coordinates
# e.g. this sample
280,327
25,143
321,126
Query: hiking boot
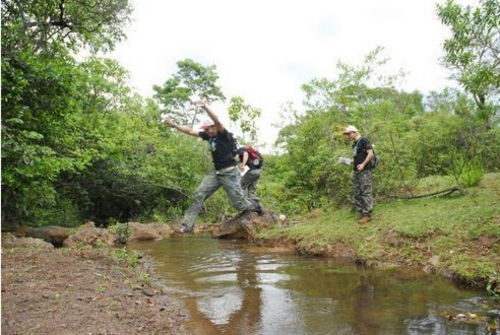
260,211
365,219
181,229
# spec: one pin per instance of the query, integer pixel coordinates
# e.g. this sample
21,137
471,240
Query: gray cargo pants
363,198
229,179
249,182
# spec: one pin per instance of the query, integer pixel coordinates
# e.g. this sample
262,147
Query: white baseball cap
350,129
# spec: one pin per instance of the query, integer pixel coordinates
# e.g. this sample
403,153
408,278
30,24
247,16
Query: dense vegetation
78,144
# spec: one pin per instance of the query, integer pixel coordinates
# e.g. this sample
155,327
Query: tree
51,104
244,115
358,95
39,23
191,82
473,52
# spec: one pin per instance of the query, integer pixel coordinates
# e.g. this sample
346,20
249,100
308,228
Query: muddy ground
83,291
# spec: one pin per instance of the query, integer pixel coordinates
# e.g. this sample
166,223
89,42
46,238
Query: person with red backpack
251,158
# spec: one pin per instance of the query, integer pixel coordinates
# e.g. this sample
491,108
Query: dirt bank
84,291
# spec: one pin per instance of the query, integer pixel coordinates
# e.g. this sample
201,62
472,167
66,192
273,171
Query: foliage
244,115
44,128
121,230
314,141
414,136
77,144
44,24
64,213
125,256
467,173
179,93
473,52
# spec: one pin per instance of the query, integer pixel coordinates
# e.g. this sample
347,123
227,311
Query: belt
227,169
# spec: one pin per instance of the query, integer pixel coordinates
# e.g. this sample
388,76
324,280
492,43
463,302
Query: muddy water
229,287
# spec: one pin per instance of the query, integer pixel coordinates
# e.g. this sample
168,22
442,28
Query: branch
444,193
61,11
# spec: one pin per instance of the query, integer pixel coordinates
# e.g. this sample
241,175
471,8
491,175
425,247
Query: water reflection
230,289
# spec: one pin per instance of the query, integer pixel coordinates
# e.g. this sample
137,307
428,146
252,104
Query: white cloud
264,50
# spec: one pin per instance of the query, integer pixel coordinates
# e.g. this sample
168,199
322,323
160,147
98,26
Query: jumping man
225,173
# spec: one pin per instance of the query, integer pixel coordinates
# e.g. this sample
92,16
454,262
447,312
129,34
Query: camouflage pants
229,179
249,182
363,198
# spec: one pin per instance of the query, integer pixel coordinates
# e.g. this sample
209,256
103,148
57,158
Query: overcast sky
265,50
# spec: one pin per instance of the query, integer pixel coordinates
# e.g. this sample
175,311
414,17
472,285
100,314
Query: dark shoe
259,210
243,213
181,229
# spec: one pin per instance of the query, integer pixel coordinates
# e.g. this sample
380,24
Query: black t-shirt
255,163
222,147
359,150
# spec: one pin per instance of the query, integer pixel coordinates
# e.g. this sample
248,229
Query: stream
231,287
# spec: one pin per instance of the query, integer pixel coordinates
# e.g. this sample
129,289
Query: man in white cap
223,148
362,156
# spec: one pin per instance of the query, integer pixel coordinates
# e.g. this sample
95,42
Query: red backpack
254,156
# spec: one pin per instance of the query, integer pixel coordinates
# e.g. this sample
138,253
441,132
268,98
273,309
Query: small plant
492,284
123,255
133,259
119,255
65,251
467,173
472,174
100,244
121,230
144,277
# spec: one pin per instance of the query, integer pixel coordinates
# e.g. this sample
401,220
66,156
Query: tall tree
38,23
473,52
50,104
192,81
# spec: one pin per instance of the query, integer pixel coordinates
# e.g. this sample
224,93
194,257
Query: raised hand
200,103
168,121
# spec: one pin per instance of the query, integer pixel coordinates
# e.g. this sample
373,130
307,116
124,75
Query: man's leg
366,196
231,181
207,187
249,182
357,192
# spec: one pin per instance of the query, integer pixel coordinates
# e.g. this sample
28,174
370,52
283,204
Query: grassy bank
457,236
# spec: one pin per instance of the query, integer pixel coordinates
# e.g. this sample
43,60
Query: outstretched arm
211,114
184,129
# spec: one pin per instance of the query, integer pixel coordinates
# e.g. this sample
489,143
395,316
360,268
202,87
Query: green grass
411,231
